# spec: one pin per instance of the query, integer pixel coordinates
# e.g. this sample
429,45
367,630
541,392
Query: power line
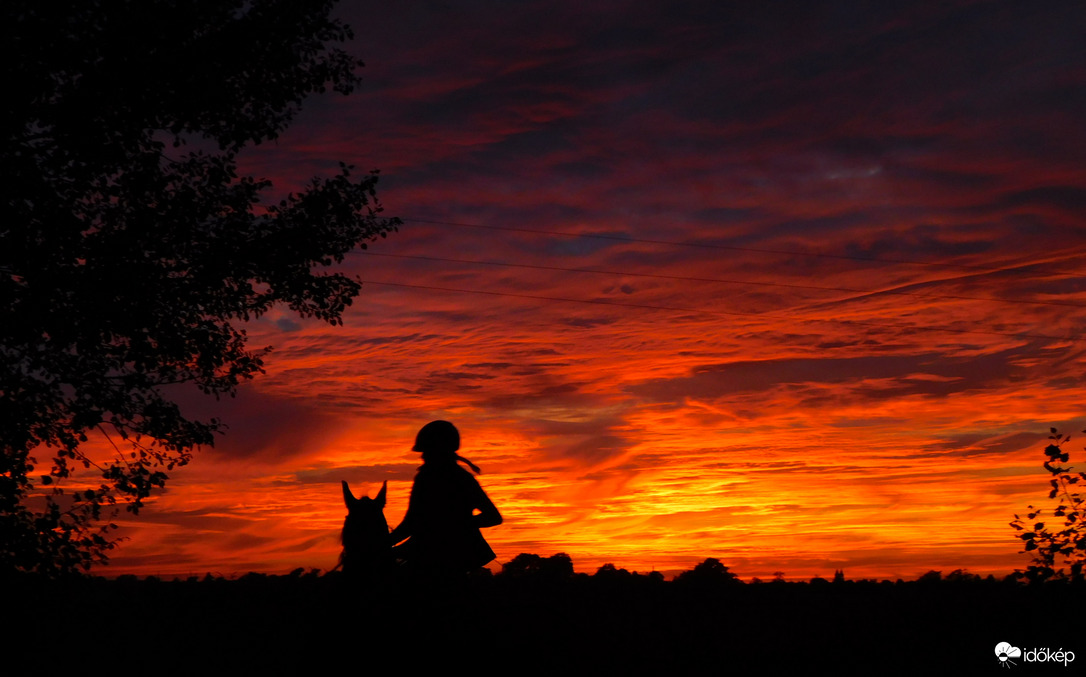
643,306
684,278
707,245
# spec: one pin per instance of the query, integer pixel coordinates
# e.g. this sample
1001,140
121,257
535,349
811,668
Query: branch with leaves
1056,546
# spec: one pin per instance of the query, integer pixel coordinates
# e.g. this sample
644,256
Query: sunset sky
799,286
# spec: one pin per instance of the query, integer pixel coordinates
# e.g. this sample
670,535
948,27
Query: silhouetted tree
524,564
709,572
962,576
611,572
557,567
125,266
931,577
1052,546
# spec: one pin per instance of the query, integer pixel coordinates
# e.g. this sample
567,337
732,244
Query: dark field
303,624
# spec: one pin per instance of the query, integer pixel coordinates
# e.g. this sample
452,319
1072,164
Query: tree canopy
132,251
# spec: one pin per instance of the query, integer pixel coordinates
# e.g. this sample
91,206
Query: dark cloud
220,518
595,450
264,427
873,377
287,324
243,541
370,474
977,444
585,426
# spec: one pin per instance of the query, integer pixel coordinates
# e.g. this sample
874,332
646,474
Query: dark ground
305,624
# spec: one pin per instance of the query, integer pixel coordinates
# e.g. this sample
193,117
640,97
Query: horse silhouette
367,551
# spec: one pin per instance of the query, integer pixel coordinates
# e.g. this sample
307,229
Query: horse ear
348,497
381,495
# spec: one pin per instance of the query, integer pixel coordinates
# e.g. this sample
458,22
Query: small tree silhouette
1051,546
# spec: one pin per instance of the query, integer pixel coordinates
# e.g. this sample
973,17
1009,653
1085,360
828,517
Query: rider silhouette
441,524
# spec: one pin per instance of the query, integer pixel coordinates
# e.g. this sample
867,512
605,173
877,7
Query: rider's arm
407,526
401,532
488,515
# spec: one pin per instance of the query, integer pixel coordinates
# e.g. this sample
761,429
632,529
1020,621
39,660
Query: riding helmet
437,436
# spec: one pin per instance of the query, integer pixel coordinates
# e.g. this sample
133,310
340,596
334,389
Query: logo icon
1005,652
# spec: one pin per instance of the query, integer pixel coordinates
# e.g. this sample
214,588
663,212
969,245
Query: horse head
366,548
